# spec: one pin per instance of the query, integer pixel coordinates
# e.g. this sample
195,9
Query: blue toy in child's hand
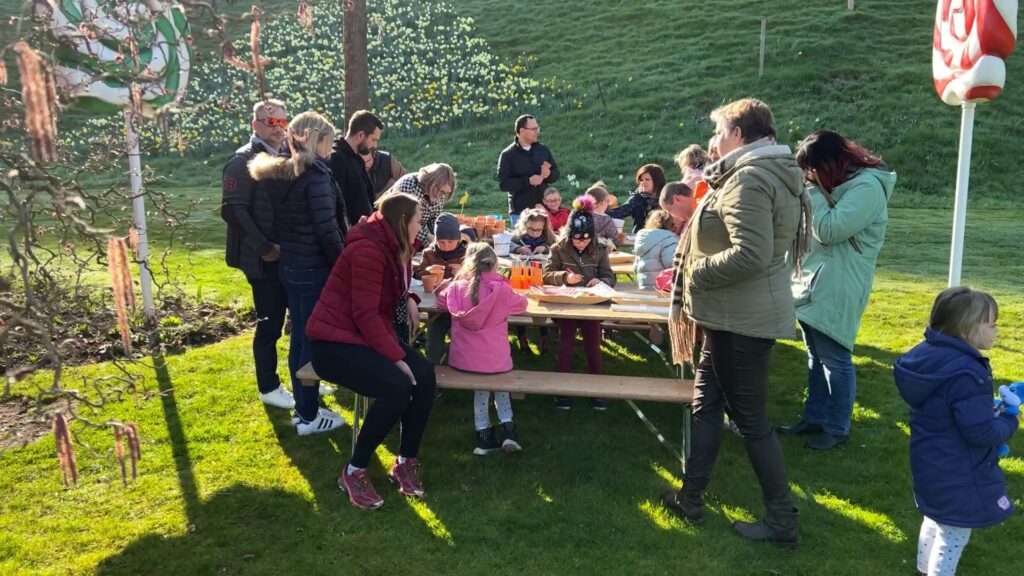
1008,403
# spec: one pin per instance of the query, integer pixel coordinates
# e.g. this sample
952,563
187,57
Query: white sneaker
325,421
327,389
279,397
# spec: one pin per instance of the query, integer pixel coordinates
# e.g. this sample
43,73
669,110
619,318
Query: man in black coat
525,168
248,210
346,163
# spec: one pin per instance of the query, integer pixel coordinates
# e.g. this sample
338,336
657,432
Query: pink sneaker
407,476
359,488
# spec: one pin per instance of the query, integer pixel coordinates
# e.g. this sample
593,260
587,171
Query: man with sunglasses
249,212
525,168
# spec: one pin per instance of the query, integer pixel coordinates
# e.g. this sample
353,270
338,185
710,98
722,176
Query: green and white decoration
105,46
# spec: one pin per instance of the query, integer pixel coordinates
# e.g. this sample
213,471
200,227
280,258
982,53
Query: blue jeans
303,286
512,220
831,383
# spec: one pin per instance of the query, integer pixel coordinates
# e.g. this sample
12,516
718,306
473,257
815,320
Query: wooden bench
607,386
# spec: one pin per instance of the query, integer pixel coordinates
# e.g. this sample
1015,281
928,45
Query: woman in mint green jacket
849,190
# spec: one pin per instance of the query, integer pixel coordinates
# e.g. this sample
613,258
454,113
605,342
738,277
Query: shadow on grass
176,436
238,530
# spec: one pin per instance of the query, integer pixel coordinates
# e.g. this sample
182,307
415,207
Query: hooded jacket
358,303
309,214
833,292
739,269
654,249
954,432
480,331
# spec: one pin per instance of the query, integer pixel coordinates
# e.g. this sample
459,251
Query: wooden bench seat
607,386
611,387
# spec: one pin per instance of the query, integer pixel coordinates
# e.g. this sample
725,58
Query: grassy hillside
646,74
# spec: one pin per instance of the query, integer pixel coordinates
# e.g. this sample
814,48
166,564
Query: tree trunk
357,74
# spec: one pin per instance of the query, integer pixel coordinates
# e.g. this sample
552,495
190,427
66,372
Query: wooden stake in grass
121,279
39,94
764,30
65,451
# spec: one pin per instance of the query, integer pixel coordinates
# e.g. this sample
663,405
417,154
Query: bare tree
357,74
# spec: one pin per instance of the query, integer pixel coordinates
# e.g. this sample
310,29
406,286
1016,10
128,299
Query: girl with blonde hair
480,301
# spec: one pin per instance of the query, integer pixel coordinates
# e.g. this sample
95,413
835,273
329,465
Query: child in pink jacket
480,301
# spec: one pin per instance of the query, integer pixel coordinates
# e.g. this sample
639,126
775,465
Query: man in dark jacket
384,169
248,210
346,163
525,168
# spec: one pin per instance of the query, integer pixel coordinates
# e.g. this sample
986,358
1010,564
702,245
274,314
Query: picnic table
676,390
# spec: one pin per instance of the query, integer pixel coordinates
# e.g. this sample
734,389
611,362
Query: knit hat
469,231
446,227
581,219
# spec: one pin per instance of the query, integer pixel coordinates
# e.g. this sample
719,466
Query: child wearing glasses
532,235
553,206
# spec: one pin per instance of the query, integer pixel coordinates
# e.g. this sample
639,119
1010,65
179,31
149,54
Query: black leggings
733,372
365,372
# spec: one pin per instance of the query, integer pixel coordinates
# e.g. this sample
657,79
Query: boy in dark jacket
954,435
448,250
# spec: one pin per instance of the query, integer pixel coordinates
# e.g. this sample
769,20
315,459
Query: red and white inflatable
972,39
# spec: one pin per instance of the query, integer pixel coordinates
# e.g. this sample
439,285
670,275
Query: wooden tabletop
602,311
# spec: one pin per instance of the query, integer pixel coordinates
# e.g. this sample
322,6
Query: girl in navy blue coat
954,433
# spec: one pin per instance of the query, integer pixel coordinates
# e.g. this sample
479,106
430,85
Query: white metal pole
139,211
963,177
764,30
850,4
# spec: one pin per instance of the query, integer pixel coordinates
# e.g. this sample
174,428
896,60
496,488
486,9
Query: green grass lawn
227,487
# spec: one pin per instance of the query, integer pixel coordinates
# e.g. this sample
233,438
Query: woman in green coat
850,188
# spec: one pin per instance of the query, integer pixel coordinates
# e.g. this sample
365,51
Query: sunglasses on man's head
272,122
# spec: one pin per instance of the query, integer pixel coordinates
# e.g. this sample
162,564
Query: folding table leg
357,413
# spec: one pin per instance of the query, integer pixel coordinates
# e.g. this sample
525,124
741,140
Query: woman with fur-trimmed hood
309,216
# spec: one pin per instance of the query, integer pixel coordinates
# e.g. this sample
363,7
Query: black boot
687,505
779,526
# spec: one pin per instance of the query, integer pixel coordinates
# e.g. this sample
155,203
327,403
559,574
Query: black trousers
365,372
733,369
270,302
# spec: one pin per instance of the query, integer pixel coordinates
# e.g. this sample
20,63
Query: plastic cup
502,243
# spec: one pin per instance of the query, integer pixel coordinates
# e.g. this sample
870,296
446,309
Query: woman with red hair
849,189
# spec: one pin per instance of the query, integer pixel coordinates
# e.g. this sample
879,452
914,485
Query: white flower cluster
427,69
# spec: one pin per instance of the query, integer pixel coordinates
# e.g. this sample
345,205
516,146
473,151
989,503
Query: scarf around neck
682,328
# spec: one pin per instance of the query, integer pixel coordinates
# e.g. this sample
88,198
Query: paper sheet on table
632,308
